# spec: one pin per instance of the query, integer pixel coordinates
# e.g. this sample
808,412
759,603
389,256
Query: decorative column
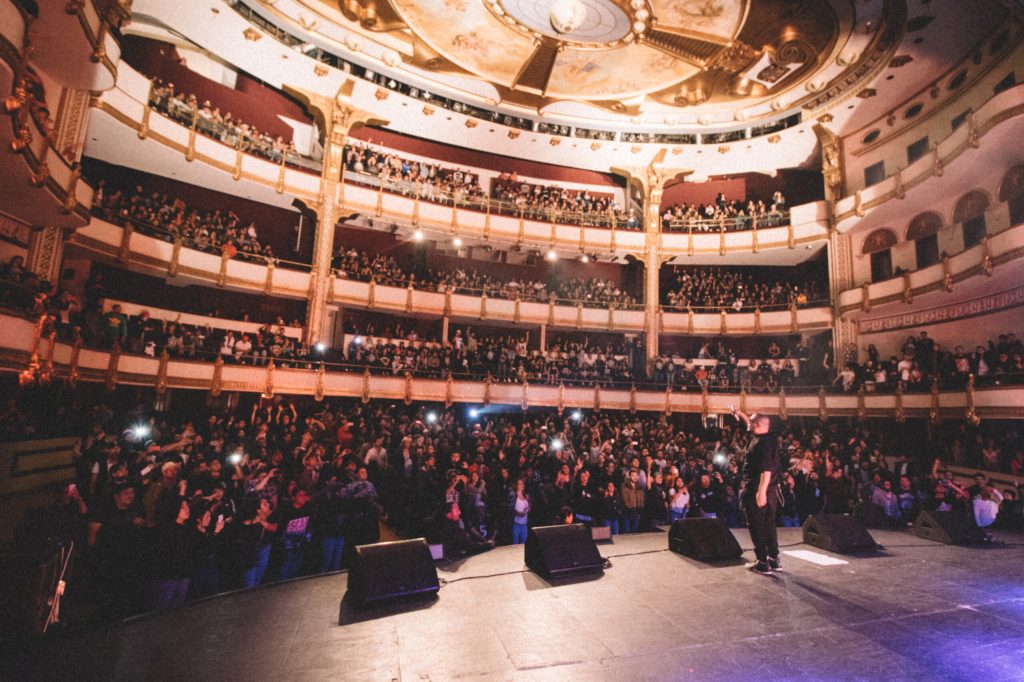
336,118
45,252
652,179
840,278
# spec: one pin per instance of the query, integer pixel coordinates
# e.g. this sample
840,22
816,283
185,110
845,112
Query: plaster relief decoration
618,55
1005,300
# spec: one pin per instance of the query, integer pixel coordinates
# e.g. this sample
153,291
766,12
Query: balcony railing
41,357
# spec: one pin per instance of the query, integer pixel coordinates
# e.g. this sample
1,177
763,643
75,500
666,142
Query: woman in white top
679,504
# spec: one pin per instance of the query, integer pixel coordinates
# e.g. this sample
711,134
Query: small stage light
418,235
457,242
577,415
431,417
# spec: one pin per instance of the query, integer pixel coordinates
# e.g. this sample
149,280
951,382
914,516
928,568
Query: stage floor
915,610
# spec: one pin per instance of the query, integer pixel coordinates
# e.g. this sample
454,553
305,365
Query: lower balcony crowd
174,506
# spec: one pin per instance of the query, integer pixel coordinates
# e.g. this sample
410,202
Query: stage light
474,413
418,235
556,443
552,255
431,417
577,415
235,458
358,340
320,347
457,242
720,459
141,431
585,258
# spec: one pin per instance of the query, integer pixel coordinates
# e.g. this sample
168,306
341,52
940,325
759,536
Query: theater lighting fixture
474,413
431,417
552,256
577,415
358,340
457,242
320,347
418,235
585,258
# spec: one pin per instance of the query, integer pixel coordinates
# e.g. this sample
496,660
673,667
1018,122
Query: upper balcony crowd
436,182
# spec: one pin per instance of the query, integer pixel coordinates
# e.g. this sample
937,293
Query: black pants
761,522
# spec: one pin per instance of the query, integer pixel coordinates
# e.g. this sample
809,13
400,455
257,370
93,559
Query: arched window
1011,191
970,211
879,245
923,231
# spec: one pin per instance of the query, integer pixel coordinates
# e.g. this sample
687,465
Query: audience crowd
383,269
430,181
737,290
214,231
724,213
921,361
503,358
210,121
539,202
173,507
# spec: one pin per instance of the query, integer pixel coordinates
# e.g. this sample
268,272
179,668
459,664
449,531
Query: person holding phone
759,498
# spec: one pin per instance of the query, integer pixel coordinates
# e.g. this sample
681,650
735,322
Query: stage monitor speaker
389,570
840,533
556,551
948,527
705,539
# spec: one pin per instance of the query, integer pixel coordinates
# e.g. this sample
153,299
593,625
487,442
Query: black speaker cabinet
838,533
556,551
389,570
949,528
705,539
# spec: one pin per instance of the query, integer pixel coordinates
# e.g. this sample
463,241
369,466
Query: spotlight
141,431
552,256
320,347
474,413
577,415
358,340
720,458
556,444
431,417
585,258
457,242
235,458
417,235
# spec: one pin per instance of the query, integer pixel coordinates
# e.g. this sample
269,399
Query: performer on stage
760,491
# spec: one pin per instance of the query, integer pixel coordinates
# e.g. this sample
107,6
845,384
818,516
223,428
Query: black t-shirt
762,455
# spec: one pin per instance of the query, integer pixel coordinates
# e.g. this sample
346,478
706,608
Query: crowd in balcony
144,334
509,195
502,358
725,213
737,291
922,361
174,507
779,369
540,202
384,269
208,119
433,182
167,218
22,289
